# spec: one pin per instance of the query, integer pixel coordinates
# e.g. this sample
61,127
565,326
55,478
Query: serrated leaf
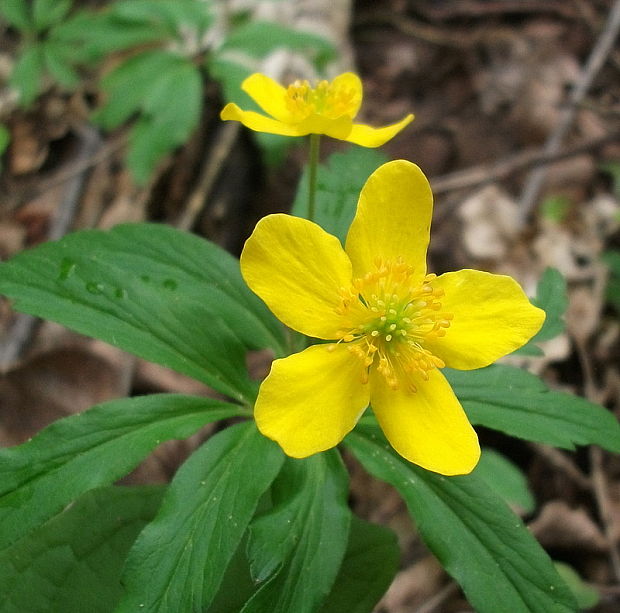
167,296
297,547
518,403
475,536
552,298
258,38
94,448
369,565
46,13
180,559
27,73
506,480
16,13
339,182
73,562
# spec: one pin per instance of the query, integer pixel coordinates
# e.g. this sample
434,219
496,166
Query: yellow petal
268,94
375,137
298,269
317,124
257,122
393,218
349,85
427,427
311,400
492,317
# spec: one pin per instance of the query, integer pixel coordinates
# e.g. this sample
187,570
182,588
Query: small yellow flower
298,110
390,324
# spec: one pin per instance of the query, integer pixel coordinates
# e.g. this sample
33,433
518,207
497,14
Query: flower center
388,316
326,99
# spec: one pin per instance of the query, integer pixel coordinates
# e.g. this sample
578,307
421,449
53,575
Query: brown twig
435,601
473,8
209,172
477,176
599,480
595,61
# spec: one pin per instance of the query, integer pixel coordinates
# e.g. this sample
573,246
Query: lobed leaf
97,447
518,403
296,548
165,295
73,562
180,559
477,539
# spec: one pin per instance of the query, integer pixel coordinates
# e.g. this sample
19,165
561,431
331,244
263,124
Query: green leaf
180,559
27,73
339,182
95,35
612,259
475,536
555,208
168,121
5,138
520,404
95,448
176,16
506,480
296,548
259,38
552,298
613,169
586,596
165,295
46,13
73,563
369,565
56,64
16,13
128,86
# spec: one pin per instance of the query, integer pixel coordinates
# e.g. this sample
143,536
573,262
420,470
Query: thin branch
209,172
477,176
598,56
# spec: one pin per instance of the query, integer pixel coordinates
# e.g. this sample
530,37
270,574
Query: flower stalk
313,162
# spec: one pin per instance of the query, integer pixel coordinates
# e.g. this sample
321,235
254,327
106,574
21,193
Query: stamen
388,315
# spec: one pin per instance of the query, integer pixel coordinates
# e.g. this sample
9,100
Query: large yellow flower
299,110
391,326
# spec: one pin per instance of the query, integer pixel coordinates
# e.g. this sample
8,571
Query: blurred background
109,113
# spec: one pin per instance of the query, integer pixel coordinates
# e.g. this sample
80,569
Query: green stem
315,141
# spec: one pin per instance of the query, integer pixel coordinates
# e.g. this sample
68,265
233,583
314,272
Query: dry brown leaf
562,527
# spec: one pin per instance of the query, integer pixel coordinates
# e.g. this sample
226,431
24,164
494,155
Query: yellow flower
298,110
391,326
